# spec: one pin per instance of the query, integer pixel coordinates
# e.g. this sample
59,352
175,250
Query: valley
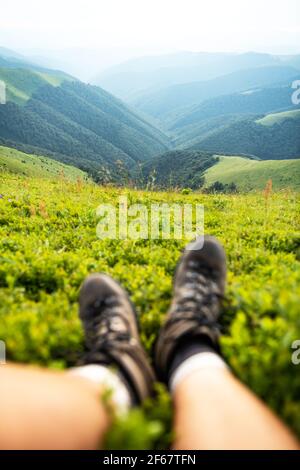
242,106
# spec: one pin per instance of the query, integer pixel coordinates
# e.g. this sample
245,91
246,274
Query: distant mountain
12,59
247,111
81,62
278,118
139,76
189,136
161,103
291,60
196,122
269,138
52,114
10,54
256,101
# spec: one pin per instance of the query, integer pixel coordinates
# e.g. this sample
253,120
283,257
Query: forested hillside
73,122
278,118
246,112
200,170
274,142
22,83
256,101
177,169
162,102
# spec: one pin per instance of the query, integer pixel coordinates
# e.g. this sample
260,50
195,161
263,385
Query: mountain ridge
63,118
133,77
161,103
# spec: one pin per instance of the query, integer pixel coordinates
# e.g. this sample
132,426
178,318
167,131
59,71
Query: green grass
14,161
277,118
22,83
48,245
55,78
253,174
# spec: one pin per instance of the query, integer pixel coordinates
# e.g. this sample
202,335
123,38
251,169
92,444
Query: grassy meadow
251,175
49,245
19,163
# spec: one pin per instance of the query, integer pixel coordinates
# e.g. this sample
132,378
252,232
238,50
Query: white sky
198,25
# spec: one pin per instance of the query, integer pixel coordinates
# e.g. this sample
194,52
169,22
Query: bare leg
41,409
213,410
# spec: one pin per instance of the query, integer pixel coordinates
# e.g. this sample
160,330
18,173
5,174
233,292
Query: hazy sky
135,27
172,24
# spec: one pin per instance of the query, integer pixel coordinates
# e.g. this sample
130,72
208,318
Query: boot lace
103,326
201,295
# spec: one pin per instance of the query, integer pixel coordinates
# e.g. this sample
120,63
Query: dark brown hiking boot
199,285
111,334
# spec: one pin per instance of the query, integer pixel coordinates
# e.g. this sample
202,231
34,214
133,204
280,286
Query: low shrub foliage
49,245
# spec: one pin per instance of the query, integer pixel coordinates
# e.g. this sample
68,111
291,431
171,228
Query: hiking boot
199,286
111,334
